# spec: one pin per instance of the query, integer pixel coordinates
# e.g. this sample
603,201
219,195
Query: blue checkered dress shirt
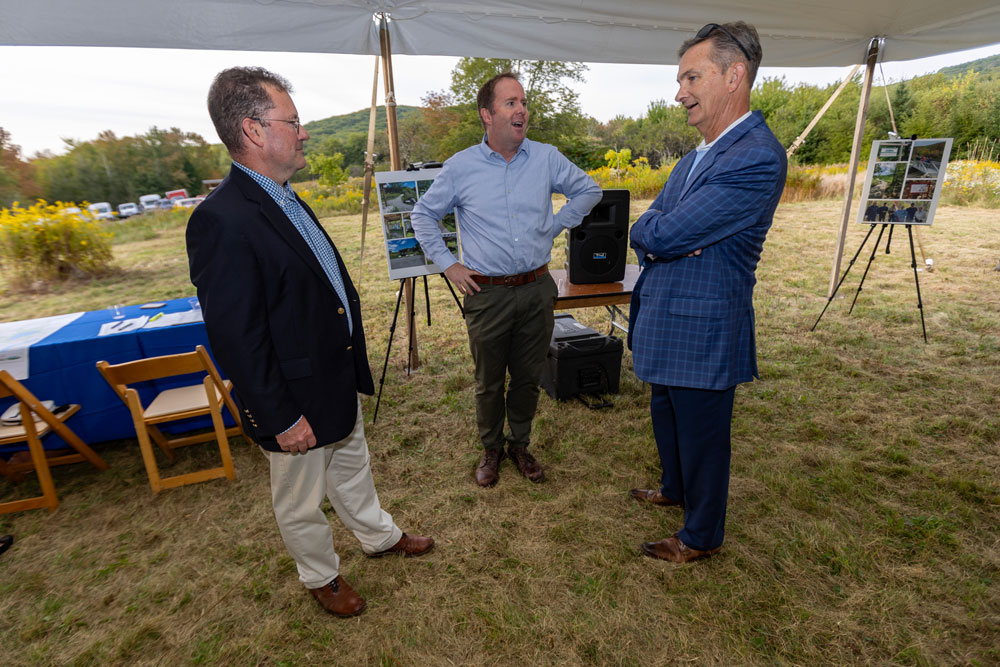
285,198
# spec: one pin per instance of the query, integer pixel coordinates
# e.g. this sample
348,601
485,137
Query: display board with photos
398,192
904,181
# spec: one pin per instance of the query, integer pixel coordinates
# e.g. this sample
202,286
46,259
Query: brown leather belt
513,281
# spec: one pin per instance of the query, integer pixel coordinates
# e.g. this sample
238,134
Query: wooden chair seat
14,434
175,404
36,423
172,404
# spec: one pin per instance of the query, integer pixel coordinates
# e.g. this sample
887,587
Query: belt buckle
510,281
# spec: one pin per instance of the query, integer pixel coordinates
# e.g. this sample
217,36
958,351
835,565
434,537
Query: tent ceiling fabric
794,32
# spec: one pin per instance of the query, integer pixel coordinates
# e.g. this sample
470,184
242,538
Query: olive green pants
509,332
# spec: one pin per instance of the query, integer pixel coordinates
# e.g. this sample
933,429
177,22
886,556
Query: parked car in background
164,205
148,202
186,202
101,210
128,209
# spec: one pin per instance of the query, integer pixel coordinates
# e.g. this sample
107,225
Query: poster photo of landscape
904,181
398,192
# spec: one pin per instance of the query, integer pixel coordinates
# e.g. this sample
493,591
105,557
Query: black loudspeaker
596,248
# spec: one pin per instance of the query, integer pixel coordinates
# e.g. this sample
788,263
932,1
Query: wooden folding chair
32,429
195,400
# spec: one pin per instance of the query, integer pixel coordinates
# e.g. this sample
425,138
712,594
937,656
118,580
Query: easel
888,243
411,323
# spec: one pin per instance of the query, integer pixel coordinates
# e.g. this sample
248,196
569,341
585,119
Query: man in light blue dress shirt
501,191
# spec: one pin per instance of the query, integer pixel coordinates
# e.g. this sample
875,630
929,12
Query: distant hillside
351,123
989,66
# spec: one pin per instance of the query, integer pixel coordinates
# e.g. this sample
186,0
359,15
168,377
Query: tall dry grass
864,511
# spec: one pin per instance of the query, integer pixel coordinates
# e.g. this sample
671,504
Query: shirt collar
489,152
279,193
702,147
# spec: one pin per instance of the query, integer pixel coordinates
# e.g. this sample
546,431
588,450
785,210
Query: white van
101,210
128,209
148,202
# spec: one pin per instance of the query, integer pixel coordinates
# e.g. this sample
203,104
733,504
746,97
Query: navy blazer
691,323
275,323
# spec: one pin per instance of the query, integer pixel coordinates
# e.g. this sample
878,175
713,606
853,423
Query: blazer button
350,347
340,311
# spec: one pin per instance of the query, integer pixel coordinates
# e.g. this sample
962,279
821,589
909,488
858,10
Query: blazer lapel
275,217
730,138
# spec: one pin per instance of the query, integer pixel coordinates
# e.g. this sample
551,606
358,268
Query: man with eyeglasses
691,327
284,322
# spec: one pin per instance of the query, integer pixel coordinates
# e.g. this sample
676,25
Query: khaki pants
509,332
340,472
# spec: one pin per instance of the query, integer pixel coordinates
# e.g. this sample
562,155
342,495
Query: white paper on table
17,337
170,319
121,326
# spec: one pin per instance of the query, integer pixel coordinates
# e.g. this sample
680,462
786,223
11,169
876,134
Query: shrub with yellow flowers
636,176
51,242
343,198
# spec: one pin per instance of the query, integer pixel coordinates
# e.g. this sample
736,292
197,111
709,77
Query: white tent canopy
797,33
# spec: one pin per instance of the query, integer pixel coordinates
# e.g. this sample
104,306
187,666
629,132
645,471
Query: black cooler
580,361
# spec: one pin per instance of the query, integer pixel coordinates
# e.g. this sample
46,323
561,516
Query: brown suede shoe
338,598
408,545
674,550
655,497
526,463
488,470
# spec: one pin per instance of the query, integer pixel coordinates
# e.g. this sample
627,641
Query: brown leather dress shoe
655,497
526,463
488,470
338,598
408,545
674,550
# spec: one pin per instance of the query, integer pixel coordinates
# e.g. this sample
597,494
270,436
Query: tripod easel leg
453,295
913,264
385,364
870,260
427,298
846,271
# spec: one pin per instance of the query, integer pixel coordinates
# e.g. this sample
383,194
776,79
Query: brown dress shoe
526,463
655,497
488,470
408,545
674,550
338,598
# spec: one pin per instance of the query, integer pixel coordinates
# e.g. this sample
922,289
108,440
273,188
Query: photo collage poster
904,181
398,192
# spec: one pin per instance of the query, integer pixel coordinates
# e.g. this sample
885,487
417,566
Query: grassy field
864,521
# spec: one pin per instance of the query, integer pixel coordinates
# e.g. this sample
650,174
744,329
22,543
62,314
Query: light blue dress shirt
504,209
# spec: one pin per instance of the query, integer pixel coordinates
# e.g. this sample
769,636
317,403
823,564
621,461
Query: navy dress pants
692,431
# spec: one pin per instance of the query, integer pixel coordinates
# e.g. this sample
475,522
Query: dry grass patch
863,515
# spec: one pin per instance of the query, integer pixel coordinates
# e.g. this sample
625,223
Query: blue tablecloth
62,368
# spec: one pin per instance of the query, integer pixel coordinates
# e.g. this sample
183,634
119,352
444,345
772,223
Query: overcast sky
48,93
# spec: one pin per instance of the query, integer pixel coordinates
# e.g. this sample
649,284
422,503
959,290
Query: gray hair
729,41
238,93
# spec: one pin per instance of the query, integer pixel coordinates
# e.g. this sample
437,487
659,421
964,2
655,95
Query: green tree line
964,104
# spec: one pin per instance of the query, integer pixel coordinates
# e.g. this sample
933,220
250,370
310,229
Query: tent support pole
859,133
369,172
413,362
805,133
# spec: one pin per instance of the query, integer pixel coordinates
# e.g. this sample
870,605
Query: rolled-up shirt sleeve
437,202
581,191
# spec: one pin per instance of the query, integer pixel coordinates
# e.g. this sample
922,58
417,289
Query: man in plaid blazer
691,327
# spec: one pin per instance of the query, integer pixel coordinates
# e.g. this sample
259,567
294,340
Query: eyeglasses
707,30
294,123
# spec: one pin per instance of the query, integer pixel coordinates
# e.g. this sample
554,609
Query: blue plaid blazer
691,322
